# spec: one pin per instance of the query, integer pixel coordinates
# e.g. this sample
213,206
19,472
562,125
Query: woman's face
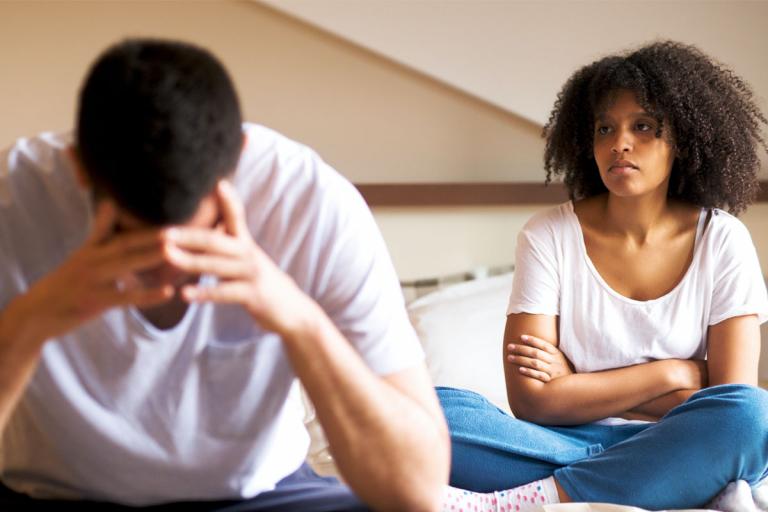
632,161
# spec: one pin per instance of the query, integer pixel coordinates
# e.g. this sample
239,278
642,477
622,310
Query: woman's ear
82,177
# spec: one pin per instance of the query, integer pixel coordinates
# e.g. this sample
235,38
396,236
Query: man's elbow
418,484
427,493
421,496
422,492
413,491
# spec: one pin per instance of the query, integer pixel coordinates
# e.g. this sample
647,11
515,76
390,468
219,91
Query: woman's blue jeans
720,434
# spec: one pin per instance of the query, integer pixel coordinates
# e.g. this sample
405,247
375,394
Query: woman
632,335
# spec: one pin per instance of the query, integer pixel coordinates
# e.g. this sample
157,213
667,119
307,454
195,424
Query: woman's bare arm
733,351
655,409
584,397
732,355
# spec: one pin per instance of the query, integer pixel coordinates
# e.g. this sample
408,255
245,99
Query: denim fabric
718,435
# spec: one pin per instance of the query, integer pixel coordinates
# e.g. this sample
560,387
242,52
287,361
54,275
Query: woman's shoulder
550,220
726,229
590,211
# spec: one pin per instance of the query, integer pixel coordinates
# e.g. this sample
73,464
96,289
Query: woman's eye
603,130
644,127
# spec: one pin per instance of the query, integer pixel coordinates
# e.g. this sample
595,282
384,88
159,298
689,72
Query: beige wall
372,119
517,54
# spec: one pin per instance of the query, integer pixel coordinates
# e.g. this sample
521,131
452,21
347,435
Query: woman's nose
622,143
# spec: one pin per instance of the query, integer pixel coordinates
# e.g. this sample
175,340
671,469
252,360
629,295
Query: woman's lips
622,167
622,170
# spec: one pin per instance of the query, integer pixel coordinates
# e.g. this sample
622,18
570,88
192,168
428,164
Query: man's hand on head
247,275
95,278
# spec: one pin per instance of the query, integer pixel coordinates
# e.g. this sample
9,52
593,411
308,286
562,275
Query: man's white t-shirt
601,329
119,410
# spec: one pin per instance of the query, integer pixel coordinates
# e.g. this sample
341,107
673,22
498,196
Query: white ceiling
517,54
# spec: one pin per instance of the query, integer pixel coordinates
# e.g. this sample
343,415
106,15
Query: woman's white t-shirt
601,329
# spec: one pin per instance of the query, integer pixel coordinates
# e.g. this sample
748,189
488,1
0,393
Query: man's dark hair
158,124
707,112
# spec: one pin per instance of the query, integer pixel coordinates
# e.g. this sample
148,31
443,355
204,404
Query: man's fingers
136,261
232,293
221,266
231,209
125,243
142,297
204,240
103,221
110,296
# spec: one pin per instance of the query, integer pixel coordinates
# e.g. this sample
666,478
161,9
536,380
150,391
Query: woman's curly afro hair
705,110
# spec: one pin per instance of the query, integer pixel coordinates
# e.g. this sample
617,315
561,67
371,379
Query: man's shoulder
290,193
31,162
274,167
263,143
38,151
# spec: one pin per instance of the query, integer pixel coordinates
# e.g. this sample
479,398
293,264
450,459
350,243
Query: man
165,279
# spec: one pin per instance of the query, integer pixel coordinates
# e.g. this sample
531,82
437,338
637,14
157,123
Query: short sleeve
739,288
536,284
358,287
318,229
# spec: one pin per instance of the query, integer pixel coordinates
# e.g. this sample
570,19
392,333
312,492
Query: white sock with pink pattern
526,498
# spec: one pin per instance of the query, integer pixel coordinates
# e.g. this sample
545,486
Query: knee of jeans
743,418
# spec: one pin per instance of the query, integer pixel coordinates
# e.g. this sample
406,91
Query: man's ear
82,177
231,174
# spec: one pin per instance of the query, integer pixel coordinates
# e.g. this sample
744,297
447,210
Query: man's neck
167,315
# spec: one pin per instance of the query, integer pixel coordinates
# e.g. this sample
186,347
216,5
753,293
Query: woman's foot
736,497
526,498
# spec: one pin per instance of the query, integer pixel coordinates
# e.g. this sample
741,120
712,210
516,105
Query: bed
466,354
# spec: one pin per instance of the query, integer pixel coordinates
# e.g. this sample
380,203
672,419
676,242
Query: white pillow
461,328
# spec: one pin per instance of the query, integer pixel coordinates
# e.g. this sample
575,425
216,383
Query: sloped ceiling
517,54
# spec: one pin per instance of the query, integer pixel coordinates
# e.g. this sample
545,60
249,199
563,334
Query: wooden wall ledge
473,194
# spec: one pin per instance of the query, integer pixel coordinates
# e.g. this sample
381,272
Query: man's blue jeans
718,435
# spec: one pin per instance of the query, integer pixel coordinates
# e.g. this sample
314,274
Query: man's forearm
585,397
19,353
392,451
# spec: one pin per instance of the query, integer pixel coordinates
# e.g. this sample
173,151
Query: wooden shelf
473,194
